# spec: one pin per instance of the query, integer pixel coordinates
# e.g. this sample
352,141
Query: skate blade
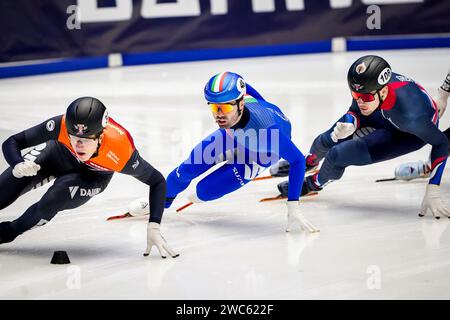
122,216
278,197
185,206
281,197
283,176
263,178
385,180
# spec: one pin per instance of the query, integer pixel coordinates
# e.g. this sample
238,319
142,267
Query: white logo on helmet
105,119
240,85
384,76
50,125
80,128
361,68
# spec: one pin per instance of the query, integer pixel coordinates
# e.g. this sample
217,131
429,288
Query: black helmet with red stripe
86,117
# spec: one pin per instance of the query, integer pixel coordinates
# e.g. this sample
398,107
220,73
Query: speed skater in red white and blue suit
390,115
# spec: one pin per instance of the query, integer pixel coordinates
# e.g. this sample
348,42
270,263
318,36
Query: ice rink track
372,244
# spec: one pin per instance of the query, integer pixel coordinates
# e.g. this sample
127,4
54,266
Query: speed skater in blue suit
253,135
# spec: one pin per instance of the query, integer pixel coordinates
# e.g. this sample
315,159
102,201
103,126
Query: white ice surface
372,244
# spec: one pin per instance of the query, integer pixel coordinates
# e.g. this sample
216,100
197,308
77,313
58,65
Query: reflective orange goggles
224,107
366,97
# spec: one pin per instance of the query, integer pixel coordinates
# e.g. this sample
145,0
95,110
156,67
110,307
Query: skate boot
412,170
442,96
309,187
280,169
446,85
7,234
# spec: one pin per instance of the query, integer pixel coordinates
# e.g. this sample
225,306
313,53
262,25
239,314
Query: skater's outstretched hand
432,201
296,217
154,238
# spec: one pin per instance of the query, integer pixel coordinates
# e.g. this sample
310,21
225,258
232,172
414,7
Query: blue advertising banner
49,29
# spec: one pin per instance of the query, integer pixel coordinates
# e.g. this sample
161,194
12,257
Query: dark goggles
83,139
